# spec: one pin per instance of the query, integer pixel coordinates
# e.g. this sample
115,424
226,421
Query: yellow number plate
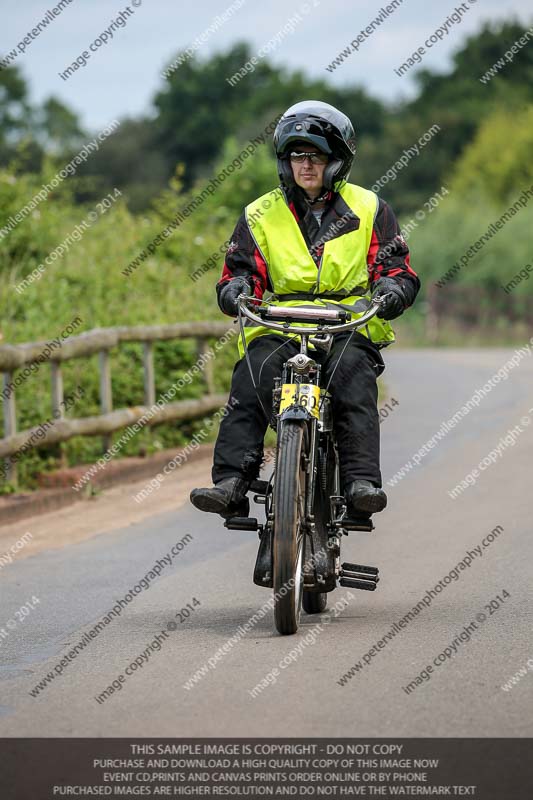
303,394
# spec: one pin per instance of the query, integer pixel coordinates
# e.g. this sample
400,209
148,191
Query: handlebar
322,316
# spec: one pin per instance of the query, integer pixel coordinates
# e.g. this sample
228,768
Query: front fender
296,412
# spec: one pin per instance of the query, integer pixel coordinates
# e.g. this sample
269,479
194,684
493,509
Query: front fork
311,467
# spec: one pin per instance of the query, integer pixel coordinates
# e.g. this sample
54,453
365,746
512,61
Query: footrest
347,567
242,523
259,487
359,576
369,586
356,524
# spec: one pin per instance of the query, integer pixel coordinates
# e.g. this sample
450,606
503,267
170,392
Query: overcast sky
121,78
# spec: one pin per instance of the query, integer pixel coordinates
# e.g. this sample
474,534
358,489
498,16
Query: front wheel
289,538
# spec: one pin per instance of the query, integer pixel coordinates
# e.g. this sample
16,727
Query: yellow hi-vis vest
342,269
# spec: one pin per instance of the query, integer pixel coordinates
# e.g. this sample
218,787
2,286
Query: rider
319,240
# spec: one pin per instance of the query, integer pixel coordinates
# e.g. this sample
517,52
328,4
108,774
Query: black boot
227,498
364,496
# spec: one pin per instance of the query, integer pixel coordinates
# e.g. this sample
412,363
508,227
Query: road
82,560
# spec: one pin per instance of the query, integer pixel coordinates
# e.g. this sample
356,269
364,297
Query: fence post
106,397
149,379
10,427
57,389
57,402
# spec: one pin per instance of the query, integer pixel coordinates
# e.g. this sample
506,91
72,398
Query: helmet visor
293,131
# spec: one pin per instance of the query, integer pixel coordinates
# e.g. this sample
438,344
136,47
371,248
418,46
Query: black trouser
239,446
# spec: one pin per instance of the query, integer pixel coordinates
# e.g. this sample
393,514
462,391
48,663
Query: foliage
88,281
198,125
498,161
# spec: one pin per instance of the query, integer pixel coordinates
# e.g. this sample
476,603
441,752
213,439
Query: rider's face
307,175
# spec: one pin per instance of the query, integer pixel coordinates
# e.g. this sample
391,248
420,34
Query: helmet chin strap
318,199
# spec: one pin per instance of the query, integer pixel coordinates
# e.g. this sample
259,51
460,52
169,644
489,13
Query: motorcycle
305,513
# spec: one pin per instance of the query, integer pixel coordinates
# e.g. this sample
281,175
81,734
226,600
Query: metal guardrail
101,341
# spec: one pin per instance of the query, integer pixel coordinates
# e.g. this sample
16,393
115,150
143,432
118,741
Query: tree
15,112
58,127
27,132
497,163
459,102
129,159
198,108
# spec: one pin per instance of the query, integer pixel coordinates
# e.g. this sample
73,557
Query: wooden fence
101,341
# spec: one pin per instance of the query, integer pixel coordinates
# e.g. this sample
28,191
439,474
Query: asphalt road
418,540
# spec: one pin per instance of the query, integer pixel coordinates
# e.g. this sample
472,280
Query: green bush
88,281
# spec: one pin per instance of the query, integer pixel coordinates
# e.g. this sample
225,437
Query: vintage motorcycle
306,515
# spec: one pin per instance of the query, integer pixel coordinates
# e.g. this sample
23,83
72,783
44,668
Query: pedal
346,566
357,576
355,524
242,523
259,487
369,586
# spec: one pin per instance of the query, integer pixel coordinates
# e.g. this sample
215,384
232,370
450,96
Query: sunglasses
315,158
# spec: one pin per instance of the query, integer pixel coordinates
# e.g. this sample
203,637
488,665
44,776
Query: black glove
394,302
227,299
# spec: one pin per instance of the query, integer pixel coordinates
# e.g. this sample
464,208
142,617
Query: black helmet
324,126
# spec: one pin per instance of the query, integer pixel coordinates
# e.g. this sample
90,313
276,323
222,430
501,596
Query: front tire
289,537
316,602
